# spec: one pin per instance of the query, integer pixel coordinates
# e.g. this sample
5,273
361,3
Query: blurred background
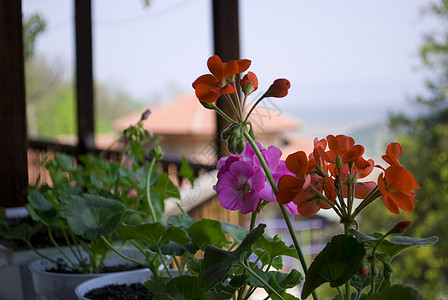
374,70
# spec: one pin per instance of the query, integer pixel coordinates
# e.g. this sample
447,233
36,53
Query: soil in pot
62,268
133,291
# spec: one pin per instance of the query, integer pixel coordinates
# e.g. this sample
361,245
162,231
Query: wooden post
84,75
13,151
227,46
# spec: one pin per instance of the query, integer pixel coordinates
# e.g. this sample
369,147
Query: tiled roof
185,115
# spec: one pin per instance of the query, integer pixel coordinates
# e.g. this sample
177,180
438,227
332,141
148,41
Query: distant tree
424,138
32,27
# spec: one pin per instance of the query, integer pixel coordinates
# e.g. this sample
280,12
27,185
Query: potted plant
88,200
357,265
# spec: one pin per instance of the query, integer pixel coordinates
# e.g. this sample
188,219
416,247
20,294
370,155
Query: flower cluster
332,176
242,183
326,177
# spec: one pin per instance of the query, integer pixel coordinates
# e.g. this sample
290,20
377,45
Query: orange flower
289,186
342,150
278,89
209,87
249,83
393,152
295,188
396,187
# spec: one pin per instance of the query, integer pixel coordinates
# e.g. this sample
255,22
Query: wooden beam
13,152
226,46
84,75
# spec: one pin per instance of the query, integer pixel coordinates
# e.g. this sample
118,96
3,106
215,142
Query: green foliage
395,292
336,263
424,138
32,26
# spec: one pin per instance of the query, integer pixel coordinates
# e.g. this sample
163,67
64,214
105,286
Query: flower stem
121,254
223,114
148,193
347,284
262,281
282,207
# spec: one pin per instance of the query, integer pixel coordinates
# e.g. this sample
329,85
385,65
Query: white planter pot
60,286
15,278
139,276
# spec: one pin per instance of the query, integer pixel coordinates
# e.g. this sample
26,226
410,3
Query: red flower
209,87
393,152
278,89
249,83
295,188
396,187
342,150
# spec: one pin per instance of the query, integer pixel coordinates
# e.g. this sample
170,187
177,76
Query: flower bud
401,227
278,89
145,114
241,145
156,153
249,83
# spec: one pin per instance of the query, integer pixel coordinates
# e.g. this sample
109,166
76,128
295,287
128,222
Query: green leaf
282,280
153,233
217,262
174,234
91,216
165,187
38,201
215,265
237,232
336,264
183,221
395,245
177,249
273,248
150,232
207,232
251,238
183,288
395,292
186,171
64,161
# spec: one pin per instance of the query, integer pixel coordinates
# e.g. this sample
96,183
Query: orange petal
353,154
243,65
390,205
362,189
402,201
394,149
205,79
297,163
206,93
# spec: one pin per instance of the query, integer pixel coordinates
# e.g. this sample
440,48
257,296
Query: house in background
188,129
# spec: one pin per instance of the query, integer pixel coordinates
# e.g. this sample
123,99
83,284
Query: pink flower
239,185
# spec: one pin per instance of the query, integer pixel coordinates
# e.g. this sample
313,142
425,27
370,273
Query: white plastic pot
138,276
61,286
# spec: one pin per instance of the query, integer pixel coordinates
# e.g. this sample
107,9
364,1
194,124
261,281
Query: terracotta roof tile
185,115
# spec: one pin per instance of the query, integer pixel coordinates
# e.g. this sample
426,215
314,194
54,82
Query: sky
347,61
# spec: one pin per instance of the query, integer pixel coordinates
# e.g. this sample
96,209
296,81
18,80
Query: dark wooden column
84,75
226,46
13,151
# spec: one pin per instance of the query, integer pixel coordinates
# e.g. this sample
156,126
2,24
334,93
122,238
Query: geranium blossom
209,87
295,188
396,186
239,187
275,165
342,150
